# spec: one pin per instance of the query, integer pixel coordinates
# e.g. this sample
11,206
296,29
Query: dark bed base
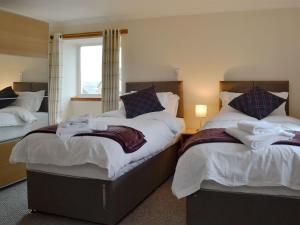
99,201
207,207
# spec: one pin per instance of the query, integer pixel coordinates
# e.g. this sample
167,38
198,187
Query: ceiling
60,11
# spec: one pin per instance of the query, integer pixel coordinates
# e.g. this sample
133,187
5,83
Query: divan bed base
95,200
208,207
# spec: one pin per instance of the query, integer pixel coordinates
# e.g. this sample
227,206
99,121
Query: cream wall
33,69
256,45
69,81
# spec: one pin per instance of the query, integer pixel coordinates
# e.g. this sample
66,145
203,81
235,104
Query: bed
14,132
84,192
213,202
9,136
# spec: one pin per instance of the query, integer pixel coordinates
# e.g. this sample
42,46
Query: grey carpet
161,208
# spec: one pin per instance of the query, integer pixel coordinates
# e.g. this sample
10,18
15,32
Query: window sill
84,99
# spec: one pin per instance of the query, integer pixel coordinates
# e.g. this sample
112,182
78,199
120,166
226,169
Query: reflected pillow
257,103
30,100
141,102
7,97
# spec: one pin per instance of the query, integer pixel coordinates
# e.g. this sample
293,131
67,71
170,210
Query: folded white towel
77,125
66,130
79,120
95,124
263,127
255,141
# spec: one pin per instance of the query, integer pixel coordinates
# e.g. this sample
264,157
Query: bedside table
188,132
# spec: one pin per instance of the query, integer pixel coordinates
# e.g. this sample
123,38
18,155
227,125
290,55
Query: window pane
91,69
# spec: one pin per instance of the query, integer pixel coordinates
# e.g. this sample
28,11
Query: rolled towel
255,141
263,127
66,130
96,124
78,120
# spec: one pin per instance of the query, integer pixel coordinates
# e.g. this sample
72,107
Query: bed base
208,207
100,201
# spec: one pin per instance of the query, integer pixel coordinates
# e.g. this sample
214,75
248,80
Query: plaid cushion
141,102
257,103
7,97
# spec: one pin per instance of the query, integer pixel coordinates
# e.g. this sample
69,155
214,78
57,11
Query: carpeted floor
161,208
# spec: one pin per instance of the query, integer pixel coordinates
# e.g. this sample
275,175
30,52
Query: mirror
23,86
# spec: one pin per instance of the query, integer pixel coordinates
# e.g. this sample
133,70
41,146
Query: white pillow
172,104
226,97
30,100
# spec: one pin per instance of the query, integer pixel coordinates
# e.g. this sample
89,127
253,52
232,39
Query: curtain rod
87,34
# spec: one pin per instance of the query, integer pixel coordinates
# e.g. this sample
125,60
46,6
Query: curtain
55,79
110,70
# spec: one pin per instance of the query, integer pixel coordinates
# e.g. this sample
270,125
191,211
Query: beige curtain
55,79
110,70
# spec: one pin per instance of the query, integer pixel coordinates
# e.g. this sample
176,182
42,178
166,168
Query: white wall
69,82
79,108
33,69
256,45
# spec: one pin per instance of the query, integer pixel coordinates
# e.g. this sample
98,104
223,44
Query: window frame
79,74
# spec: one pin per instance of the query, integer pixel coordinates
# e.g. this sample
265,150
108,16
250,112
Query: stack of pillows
29,100
147,100
257,102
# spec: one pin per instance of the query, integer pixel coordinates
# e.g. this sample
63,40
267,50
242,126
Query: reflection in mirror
23,107
23,86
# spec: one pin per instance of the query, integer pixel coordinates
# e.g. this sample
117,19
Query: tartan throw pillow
257,103
141,102
7,97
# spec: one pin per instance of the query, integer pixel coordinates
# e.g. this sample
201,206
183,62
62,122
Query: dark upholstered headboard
34,86
161,86
244,86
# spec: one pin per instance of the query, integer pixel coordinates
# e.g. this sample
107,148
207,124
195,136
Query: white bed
222,166
79,156
95,171
89,170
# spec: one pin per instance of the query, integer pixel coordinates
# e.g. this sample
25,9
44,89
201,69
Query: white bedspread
233,164
159,129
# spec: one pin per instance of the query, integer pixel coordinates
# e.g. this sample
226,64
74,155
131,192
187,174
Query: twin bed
107,190
12,132
227,183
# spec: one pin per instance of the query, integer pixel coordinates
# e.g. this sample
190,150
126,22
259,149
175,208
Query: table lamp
201,112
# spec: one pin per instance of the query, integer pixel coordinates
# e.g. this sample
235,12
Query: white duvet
15,116
160,129
233,164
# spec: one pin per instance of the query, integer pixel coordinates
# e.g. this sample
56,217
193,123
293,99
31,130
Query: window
90,70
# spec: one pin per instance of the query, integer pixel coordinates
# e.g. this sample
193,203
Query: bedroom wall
32,69
254,45
69,83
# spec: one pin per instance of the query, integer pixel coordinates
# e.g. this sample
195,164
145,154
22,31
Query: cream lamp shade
201,111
